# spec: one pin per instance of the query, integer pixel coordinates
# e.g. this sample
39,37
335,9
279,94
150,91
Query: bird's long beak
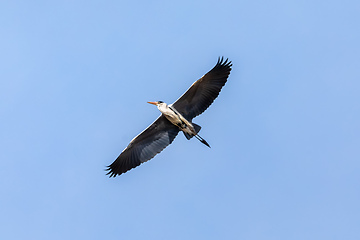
154,103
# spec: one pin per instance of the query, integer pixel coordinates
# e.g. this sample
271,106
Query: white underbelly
178,120
173,119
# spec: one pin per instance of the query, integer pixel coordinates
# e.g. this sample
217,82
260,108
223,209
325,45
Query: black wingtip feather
222,63
110,172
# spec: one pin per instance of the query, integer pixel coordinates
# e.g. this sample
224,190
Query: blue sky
75,79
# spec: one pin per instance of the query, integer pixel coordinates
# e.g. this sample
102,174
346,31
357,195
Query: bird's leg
202,140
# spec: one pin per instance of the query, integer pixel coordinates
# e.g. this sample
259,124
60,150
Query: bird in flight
174,118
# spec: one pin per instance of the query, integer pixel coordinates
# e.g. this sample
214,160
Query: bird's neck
163,108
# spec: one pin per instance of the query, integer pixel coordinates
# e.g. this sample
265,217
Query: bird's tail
197,129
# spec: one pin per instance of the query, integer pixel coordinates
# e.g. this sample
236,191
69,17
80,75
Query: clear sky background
75,77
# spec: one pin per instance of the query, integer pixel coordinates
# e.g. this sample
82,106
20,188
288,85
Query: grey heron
174,118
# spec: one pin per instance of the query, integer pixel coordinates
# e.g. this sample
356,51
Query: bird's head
159,104
156,103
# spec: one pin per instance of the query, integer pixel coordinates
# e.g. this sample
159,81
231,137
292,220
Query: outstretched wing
203,92
144,146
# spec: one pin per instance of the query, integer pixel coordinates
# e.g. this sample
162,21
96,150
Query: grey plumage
162,132
145,146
